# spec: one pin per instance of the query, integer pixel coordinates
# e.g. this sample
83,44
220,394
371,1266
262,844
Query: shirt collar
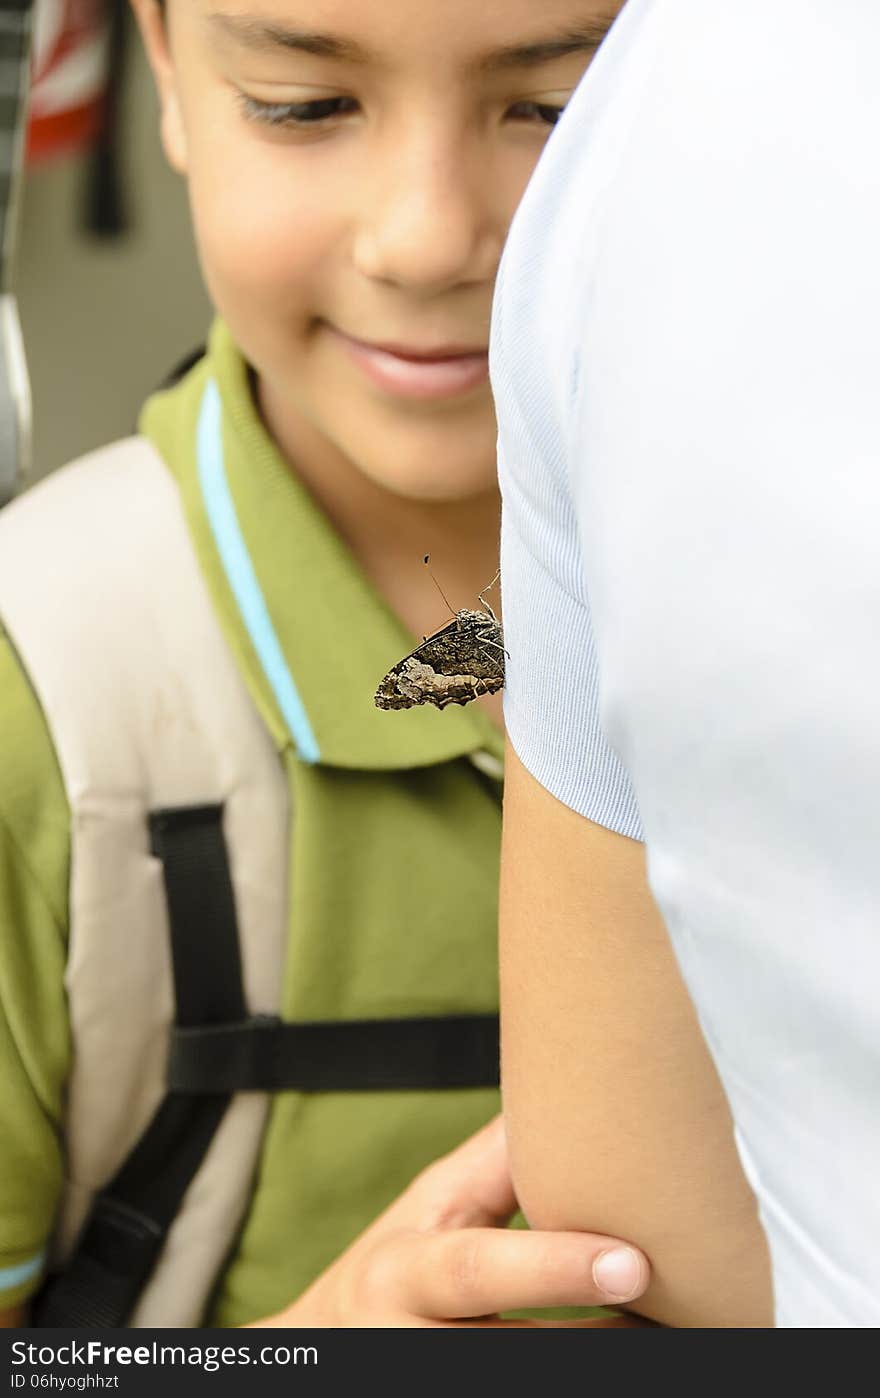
319,620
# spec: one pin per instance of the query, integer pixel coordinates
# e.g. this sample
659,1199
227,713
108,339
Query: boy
352,171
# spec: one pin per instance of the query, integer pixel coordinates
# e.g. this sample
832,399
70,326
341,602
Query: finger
468,1188
481,1271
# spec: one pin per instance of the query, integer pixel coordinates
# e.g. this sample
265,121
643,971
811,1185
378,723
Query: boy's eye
313,113
546,112
295,113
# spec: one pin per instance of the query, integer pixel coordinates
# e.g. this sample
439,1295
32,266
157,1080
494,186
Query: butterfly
453,666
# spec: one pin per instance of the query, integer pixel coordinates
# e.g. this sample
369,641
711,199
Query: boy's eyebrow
585,37
263,34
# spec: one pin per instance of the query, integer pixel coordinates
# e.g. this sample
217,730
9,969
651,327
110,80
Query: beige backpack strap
102,596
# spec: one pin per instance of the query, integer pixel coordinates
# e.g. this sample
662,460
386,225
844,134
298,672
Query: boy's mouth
410,371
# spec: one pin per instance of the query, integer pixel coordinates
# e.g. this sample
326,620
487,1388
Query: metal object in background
15,398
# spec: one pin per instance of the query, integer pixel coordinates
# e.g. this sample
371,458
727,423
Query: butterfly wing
454,666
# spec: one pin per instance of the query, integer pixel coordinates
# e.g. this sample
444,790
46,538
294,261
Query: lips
416,372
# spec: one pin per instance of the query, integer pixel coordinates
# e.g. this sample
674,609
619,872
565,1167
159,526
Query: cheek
263,237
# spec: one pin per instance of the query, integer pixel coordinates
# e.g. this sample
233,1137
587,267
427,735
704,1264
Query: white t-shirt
686,361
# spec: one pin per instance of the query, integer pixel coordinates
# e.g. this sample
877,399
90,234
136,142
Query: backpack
180,833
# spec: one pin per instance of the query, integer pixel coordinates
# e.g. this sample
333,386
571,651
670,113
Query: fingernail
618,1273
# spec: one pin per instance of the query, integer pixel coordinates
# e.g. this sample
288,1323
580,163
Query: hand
440,1256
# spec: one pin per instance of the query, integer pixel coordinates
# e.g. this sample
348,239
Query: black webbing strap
201,912
121,1241
369,1055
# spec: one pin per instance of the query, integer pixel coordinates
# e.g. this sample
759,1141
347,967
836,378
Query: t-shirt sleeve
34,1035
552,686
551,699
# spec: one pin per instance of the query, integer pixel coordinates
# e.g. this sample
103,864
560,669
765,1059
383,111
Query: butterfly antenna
427,562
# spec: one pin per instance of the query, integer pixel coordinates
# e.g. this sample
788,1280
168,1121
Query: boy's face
353,167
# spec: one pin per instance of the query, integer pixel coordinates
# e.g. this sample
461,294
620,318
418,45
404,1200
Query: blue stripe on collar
23,1272
241,575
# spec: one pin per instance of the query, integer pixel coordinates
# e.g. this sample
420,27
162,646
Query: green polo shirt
394,855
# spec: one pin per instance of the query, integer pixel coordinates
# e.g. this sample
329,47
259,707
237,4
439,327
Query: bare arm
617,1121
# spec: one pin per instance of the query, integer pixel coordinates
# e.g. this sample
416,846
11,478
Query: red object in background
69,73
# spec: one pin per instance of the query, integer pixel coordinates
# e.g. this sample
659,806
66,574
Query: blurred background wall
104,321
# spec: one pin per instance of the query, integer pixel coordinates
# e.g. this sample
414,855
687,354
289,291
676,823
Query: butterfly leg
485,637
486,589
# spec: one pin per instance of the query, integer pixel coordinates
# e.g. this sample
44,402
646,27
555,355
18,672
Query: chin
436,465
436,487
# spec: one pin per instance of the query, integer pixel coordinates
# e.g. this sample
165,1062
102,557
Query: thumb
470,1187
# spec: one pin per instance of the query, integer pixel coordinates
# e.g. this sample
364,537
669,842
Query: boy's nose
428,225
